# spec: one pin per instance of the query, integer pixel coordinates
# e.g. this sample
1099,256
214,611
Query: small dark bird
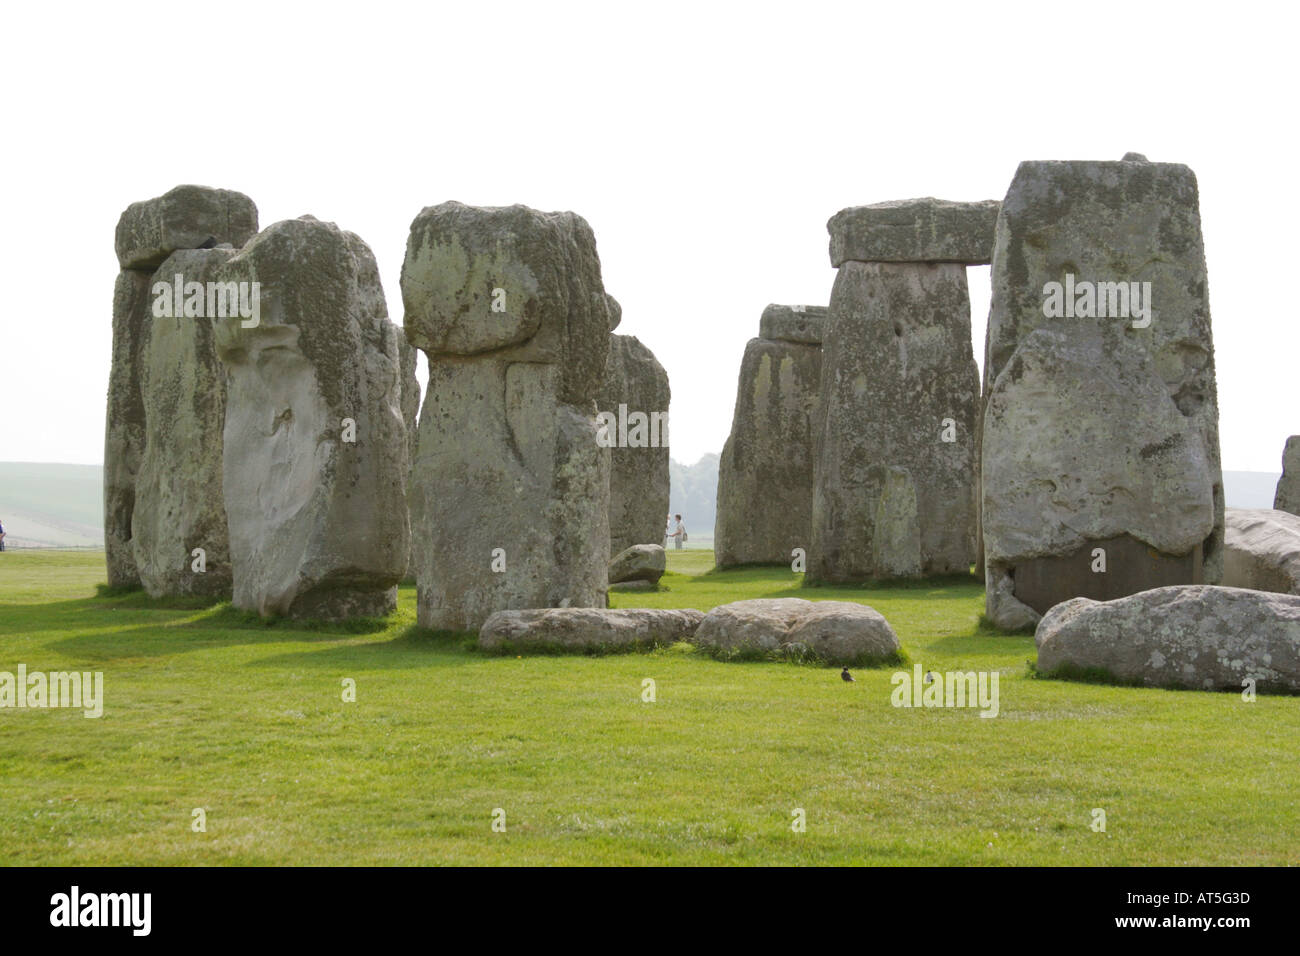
209,243
845,675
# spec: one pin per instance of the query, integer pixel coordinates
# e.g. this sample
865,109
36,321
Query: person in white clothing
677,531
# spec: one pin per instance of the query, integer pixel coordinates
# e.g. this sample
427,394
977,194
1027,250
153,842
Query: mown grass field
206,708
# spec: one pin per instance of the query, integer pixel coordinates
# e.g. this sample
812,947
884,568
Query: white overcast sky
707,145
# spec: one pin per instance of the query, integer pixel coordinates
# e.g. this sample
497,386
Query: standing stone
634,396
1287,497
178,496
765,473
124,429
895,448
411,417
1100,439
318,523
511,487
148,232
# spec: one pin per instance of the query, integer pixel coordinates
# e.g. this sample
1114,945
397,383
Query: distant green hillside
51,505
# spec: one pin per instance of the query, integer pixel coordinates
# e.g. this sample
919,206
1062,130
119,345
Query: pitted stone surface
511,488
1197,636
914,230
894,483
638,476
1099,425
318,524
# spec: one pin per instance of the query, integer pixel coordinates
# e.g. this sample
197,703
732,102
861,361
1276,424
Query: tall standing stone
765,473
175,505
1100,472
635,385
1287,497
179,523
894,485
124,431
315,445
411,417
894,493
511,487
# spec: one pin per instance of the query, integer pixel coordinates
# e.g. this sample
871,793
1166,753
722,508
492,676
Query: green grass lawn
207,708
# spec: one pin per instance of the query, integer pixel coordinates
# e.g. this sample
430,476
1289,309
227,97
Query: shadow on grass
216,625
412,646
1073,673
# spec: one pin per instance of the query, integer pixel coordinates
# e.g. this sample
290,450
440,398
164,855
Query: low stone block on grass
1197,636
641,562
839,632
583,629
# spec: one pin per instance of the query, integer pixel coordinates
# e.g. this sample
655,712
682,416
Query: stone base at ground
1196,636
1261,550
585,628
839,632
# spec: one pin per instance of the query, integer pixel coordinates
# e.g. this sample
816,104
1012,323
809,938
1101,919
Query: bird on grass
846,676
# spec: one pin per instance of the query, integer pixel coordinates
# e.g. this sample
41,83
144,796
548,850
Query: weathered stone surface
318,524
552,307
187,217
615,312
635,384
839,632
765,473
1261,550
124,429
804,324
509,472
179,504
640,562
1077,447
1287,497
894,482
1094,429
581,629
1197,636
914,230
411,418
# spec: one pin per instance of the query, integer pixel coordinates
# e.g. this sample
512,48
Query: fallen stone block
1202,637
839,632
587,629
641,562
1261,550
